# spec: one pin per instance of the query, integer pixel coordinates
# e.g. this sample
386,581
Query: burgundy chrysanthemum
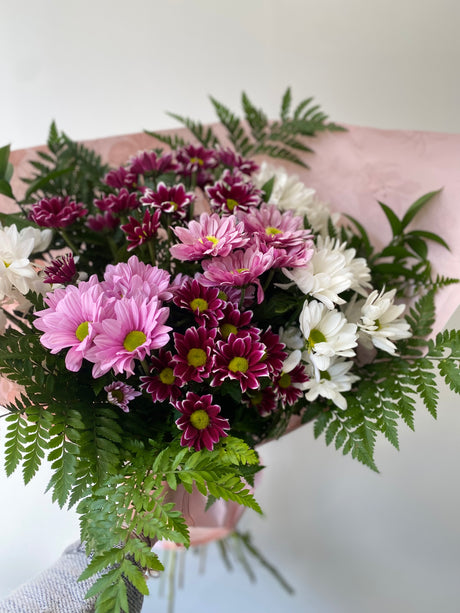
102,221
161,383
236,322
240,359
204,302
149,163
120,177
231,159
61,270
119,202
232,194
172,199
274,351
56,212
200,422
139,232
265,401
285,384
198,161
195,354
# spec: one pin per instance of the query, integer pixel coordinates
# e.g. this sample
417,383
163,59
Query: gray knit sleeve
57,589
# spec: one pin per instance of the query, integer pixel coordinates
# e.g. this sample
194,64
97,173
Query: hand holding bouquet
166,317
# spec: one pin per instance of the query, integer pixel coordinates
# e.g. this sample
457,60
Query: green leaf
286,104
4,157
431,236
5,188
395,223
417,206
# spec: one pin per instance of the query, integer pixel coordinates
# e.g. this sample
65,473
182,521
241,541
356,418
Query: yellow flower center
316,336
227,329
285,380
133,340
199,304
222,295
198,161
238,271
6,263
196,357
231,204
270,231
82,331
167,376
212,239
199,419
238,364
173,204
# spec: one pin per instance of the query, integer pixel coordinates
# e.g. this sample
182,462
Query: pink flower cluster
111,323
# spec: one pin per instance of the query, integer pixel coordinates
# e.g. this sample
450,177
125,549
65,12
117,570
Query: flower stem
69,242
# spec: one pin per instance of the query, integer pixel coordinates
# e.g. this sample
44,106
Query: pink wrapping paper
350,171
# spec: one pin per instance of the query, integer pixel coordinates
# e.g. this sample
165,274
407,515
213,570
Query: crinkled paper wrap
351,171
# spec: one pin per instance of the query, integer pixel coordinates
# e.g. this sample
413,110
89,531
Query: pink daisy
211,236
135,330
204,302
120,394
240,359
161,383
70,320
61,270
173,199
287,384
276,229
292,257
56,212
200,422
241,268
118,203
139,232
194,359
233,193
127,279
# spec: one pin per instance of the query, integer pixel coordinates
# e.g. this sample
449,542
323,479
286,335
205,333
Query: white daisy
331,382
380,321
16,269
292,361
328,334
325,276
290,194
41,238
291,337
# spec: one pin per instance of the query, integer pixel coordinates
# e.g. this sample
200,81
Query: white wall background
347,539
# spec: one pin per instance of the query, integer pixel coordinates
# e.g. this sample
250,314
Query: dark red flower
161,382
149,163
204,302
195,354
56,212
240,359
200,422
232,194
172,199
139,232
119,202
61,270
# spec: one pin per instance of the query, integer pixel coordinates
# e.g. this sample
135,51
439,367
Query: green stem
152,252
69,242
243,294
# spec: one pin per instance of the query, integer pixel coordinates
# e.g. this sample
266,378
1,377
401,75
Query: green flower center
285,380
6,263
238,364
199,419
167,376
196,357
227,329
133,340
256,398
270,231
118,395
325,375
316,336
199,304
231,204
82,331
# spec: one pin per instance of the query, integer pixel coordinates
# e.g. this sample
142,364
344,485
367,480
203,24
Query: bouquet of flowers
162,319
